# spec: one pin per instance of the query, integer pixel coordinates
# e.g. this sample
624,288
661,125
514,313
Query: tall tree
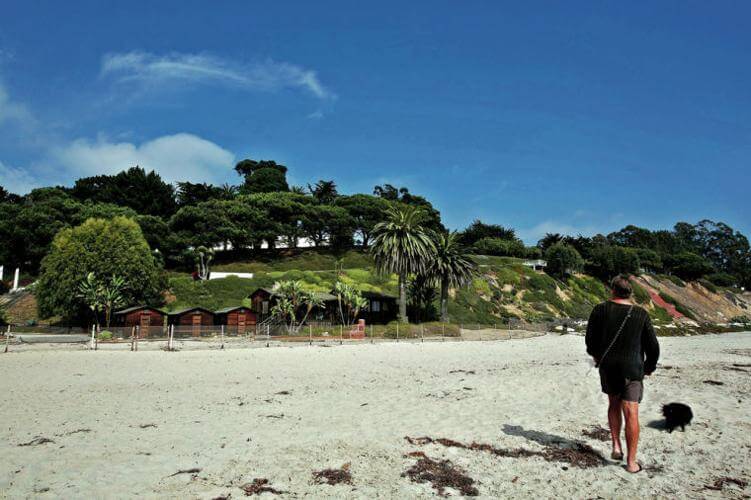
324,191
105,248
264,176
146,193
479,230
402,246
366,211
450,267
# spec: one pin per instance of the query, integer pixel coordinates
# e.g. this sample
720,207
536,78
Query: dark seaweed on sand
720,483
37,441
333,476
258,486
580,455
597,432
441,474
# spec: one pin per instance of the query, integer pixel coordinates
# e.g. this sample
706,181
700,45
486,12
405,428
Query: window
265,307
375,306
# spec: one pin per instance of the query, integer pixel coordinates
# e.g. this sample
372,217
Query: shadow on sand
657,425
539,437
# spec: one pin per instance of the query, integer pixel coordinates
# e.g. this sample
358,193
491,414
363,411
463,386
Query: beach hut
381,308
237,319
263,299
148,319
191,319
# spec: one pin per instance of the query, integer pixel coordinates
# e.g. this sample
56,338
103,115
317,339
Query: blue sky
543,116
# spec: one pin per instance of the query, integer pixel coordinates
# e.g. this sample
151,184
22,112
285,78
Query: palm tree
401,246
451,266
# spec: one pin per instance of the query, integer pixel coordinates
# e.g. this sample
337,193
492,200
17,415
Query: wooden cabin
382,308
148,319
262,302
238,319
264,299
191,318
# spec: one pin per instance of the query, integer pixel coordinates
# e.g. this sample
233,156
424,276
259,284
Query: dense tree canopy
479,230
113,247
563,260
146,193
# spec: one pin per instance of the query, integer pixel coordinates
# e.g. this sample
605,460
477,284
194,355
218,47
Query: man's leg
631,412
614,419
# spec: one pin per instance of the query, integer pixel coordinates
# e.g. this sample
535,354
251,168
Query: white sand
219,411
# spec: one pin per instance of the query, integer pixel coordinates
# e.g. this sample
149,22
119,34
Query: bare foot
634,467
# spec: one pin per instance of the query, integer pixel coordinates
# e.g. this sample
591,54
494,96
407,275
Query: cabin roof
136,308
230,309
188,309
378,295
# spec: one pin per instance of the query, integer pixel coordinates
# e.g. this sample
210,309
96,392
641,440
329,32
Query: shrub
563,260
708,285
722,279
640,293
678,306
3,316
500,247
105,335
105,248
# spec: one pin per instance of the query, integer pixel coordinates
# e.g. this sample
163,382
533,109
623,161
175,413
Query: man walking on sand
623,344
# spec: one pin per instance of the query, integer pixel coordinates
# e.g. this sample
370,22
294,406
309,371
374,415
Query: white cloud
13,111
179,157
16,180
151,69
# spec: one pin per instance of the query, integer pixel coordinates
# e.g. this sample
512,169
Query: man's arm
594,333
650,346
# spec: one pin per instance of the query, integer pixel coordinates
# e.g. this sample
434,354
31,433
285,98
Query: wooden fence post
397,331
222,336
341,334
7,339
310,334
422,333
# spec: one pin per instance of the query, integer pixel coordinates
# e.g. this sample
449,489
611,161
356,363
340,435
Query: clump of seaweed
720,483
258,486
333,476
441,474
37,441
597,432
579,455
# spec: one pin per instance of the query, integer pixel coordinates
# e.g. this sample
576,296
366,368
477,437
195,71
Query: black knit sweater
635,352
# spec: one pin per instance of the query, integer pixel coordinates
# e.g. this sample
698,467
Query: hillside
504,289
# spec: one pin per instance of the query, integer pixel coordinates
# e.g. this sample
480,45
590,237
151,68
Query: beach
205,423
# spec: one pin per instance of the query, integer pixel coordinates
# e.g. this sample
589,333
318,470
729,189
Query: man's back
636,341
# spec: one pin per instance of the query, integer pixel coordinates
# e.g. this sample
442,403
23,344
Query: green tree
324,191
146,193
103,247
562,260
189,193
265,176
324,223
496,246
689,266
293,304
479,230
366,211
402,246
451,266
102,295
606,261
350,301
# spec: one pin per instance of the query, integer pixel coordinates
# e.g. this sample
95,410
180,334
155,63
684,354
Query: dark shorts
624,388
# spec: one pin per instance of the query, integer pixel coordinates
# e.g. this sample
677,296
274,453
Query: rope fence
175,337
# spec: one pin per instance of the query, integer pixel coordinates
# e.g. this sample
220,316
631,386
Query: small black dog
677,415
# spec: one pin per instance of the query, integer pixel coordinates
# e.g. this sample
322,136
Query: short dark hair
621,286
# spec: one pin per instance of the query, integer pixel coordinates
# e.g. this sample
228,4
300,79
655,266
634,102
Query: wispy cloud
269,75
178,157
16,180
12,111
